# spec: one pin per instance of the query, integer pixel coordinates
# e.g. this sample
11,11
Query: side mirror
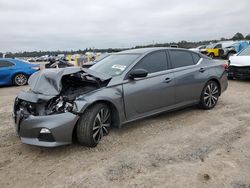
138,73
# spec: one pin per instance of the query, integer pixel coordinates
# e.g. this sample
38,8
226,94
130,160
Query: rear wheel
93,125
20,79
210,95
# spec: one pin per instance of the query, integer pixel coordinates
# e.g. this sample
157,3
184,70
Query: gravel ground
187,148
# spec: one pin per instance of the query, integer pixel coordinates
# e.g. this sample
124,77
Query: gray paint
134,99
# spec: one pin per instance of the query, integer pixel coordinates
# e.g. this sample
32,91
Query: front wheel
93,125
210,95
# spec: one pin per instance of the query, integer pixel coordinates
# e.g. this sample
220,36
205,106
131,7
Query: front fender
111,95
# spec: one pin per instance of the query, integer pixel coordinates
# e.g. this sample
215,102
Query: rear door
190,77
146,95
6,69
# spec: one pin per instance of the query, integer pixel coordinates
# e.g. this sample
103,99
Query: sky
29,25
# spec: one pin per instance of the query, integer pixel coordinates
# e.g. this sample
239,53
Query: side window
153,62
196,58
181,58
5,64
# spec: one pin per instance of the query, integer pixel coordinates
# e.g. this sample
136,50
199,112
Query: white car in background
239,65
198,49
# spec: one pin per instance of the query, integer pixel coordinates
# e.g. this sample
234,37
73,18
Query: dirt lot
188,148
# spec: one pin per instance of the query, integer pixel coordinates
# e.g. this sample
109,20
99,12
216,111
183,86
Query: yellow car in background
219,50
213,50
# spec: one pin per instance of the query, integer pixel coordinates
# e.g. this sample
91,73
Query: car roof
147,50
14,60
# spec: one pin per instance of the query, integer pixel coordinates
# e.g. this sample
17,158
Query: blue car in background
15,71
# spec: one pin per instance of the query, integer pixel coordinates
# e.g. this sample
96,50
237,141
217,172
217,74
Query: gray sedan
84,103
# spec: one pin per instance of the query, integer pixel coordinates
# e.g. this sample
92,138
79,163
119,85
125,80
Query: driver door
144,96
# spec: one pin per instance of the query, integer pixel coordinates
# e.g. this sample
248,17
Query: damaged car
77,103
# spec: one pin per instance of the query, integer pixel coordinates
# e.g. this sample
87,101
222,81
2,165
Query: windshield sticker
120,67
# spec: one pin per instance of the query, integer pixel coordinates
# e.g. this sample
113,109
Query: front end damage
47,114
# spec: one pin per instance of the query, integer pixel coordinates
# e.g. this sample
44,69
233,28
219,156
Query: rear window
181,58
5,64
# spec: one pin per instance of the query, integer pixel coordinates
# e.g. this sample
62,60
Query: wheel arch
115,121
215,80
114,111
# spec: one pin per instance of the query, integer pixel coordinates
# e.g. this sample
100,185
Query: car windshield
245,52
210,46
115,65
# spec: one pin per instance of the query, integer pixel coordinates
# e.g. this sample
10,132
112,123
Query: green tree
238,36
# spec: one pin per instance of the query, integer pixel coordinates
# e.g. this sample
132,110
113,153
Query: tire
210,95
20,79
93,124
230,77
211,55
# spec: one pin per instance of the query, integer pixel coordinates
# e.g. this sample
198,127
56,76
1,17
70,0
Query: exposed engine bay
71,85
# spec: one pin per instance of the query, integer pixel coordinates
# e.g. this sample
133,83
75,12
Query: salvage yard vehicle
239,65
84,103
216,49
198,49
225,49
15,71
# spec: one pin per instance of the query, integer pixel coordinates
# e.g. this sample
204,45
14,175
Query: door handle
167,80
202,70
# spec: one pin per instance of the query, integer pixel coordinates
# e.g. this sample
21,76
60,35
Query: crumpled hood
48,81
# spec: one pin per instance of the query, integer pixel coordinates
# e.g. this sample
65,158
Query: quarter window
181,58
196,58
153,62
5,64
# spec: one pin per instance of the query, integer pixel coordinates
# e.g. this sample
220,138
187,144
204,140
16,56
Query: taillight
225,66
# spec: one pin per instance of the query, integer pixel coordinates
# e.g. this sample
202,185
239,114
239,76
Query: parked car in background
121,88
15,71
91,63
216,50
239,65
53,63
198,49
224,49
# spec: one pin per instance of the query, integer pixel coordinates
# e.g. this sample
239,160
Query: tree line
181,44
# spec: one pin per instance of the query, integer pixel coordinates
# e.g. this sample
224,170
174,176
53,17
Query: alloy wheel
211,95
101,124
20,79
